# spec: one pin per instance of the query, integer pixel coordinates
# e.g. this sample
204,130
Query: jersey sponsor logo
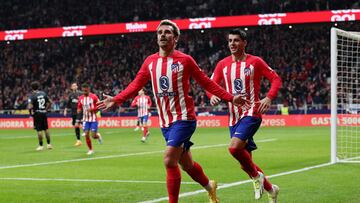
135,27
14,35
238,85
72,31
164,83
201,23
166,94
344,15
271,19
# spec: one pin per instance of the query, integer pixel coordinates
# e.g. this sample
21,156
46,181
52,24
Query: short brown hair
35,85
172,24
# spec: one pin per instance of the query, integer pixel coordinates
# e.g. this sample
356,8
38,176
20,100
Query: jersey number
41,102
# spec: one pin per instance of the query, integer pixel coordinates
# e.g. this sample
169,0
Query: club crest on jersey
247,71
164,83
175,67
238,85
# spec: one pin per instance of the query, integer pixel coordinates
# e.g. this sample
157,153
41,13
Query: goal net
345,96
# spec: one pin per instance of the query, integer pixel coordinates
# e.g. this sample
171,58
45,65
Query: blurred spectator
301,56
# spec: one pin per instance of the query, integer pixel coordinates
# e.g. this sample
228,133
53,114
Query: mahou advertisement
202,121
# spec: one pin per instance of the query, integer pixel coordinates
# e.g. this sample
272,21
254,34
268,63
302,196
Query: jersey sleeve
272,76
133,103
96,100
142,77
68,103
207,83
149,101
48,101
79,105
217,77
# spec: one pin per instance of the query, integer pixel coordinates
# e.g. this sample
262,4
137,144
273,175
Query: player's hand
106,103
214,100
240,100
264,105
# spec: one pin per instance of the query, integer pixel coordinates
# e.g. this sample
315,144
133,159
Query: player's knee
169,162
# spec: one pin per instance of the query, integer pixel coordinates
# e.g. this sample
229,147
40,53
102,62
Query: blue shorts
245,130
143,119
90,126
178,134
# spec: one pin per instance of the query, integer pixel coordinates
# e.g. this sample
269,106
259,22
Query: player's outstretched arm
106,103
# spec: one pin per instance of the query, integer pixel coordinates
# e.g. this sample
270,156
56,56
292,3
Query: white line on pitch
228,185
113,156
93,180
31,136
52,135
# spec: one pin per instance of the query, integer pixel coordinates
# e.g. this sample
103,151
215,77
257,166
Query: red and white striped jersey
245,77
143,103
86,103
170,78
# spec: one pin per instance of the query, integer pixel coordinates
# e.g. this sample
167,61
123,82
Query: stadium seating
110,62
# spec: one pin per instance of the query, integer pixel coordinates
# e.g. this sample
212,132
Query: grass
121,158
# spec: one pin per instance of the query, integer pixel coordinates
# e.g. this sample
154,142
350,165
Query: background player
242,74
143,103
72,104
87,104
169,71
38,105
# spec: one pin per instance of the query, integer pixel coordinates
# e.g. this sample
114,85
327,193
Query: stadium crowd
48,13
300,55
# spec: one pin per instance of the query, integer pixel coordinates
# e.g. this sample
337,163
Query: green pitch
125,170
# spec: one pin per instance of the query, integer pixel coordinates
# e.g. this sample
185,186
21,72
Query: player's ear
176,38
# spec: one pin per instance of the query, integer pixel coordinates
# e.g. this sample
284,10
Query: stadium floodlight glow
345,96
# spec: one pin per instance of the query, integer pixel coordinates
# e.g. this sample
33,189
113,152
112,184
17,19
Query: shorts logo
164,83
238,85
